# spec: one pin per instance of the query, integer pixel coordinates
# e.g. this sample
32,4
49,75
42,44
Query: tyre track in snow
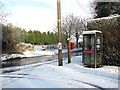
96,86
41,64
22,77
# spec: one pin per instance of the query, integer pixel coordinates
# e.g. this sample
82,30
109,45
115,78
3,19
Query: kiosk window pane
89,42
92,59
92,42
87,58
86,42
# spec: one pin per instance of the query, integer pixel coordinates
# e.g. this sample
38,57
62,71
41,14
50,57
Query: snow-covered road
36,53
48,74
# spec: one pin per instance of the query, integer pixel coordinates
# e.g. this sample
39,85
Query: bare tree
2,14
79,27
72,26
67,26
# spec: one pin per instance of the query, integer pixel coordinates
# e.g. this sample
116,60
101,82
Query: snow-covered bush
22,47
110,27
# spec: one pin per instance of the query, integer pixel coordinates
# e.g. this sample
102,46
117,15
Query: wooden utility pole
69,52
59,33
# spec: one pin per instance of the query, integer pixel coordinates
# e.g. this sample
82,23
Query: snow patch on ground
48,74
37,53
7,56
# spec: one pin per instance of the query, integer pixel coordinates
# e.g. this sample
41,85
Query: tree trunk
77,42
77,38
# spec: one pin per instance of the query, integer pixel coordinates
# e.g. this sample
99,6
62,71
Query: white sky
42,14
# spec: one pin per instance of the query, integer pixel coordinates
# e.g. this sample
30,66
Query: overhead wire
83,9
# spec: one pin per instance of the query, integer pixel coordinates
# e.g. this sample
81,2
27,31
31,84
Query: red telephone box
72,45
92,48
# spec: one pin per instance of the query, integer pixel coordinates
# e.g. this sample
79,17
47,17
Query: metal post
69,52
83,58
101,48
0,46
59,32
95,50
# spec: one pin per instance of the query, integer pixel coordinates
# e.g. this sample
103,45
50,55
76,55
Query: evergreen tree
31,37
48,38
36,37
44,37
40,37
104,9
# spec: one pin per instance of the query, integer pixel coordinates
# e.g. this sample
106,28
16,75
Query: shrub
11,36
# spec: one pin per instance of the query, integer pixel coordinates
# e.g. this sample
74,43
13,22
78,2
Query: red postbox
72,45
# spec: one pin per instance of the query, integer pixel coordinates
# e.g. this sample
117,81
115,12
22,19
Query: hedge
110,27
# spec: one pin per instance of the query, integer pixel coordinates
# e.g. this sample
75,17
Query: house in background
80,41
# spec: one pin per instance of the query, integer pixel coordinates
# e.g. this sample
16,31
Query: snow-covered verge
48,74
9,56
36,53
